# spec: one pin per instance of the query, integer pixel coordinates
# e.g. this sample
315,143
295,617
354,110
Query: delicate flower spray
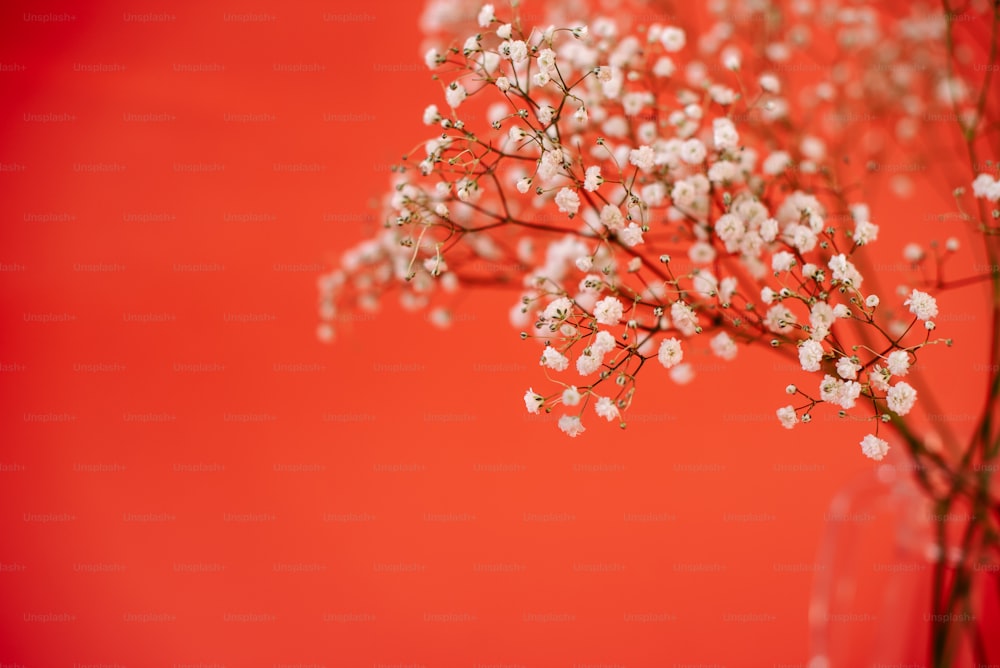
657,192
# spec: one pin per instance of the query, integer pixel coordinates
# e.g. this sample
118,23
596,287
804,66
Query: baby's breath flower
922,305
571,425
606,409
631,235
847,368
987,187
874,447
912,252
865,232
455,94
673,39
603,343
900,398
723,346
608,311
810,355
588,363
568,201
670,353
770,83
554,359
898,362
787,416
533,401
485,16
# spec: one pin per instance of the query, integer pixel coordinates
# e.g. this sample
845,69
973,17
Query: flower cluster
650,192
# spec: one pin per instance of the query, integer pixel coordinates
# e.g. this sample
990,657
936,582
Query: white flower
767,295
588,363
454,94
503,32
631,235
603,343
547,60
485,16
593,179
550,164
431,58
612,218
872,301
802,237
568,201
865,232
517,51
685,319
821,317
847,368
898,362
545,113
913,252
787,416
571,425
810,355
503,84
523,184
770,83
879,378
723,346
701,252
431,115
608,311
922,305
724,134
670,352
642,157
769,230
673,39
874,447
986,186
901,398
724,172
727,288
779,319
841,392
571,396
782,261
558,309
692,151
533,401
554,359
844,271
664,67
776,163
730,229
682,374
606,409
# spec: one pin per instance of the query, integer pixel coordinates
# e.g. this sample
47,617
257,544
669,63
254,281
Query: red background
225,490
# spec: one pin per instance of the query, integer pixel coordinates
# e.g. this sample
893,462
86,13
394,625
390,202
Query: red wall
187,477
